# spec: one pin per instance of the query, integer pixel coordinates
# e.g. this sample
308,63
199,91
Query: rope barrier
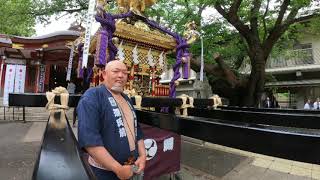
55,122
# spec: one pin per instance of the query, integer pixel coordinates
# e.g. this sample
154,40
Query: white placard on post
8,83
87,38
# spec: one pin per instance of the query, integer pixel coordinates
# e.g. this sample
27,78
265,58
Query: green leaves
15,18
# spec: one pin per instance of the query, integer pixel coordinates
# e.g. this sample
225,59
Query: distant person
267,103
307,105
71,87
316,105
274,102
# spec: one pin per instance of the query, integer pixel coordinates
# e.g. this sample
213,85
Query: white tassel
135,55
150,58
121,54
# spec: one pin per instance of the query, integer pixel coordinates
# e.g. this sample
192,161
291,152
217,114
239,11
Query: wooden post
131,77
36,88
153,80
23,114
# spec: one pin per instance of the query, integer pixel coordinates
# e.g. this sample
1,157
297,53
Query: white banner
8,83
89,21
20,77
70,65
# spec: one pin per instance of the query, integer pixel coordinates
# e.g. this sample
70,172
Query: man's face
116,77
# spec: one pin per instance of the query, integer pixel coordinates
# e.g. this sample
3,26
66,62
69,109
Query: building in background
297,76
45,59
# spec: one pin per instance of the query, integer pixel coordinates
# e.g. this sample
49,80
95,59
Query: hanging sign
20,77
89,21
70,64
42,76
9,83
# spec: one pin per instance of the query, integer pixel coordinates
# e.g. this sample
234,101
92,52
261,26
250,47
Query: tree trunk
240,92
255,86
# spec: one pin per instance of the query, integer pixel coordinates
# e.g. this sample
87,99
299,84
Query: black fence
275,118
288,134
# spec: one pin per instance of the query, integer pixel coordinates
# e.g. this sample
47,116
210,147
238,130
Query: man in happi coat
108,128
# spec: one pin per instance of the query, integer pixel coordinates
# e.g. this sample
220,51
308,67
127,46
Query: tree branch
279,27
233,19
201,8
220,70
235,6
274,35
227,73
254,17
48,11
282,11
279,30
264,21
305,18
291,16
81,4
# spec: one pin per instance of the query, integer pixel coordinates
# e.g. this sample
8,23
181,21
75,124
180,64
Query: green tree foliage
249,28
44,9
241,28
261,24
15,17
216,35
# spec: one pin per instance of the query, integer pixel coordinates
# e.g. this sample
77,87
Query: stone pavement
19,144
16,156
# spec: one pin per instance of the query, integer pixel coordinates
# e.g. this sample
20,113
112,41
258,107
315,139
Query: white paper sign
9,83
168,144
89,21
20,77
70,65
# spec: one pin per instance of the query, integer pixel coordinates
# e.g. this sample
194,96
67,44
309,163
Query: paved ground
20,143
16,156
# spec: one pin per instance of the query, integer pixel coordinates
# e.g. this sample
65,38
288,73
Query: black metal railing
269,133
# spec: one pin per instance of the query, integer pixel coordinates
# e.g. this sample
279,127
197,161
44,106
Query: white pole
1,69
89,21
202,60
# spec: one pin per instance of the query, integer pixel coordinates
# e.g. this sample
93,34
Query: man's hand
124,172
141,163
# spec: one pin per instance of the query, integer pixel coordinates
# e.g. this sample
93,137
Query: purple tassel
186,66
80,69
103,47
